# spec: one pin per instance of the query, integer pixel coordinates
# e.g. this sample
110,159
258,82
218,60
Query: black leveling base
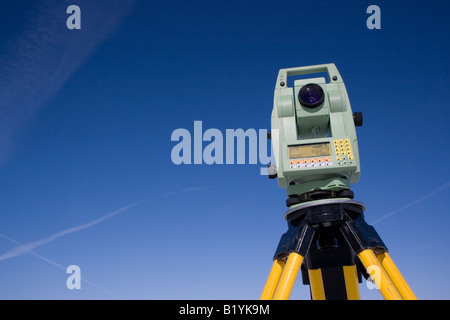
327,233
324,239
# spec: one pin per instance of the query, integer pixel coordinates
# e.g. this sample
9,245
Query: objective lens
311,95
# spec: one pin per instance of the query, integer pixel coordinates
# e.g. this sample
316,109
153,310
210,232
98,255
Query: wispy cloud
188,189
57,265
28,247
415,202
38,61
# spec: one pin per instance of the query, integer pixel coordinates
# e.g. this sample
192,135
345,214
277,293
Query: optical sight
313,132
311,95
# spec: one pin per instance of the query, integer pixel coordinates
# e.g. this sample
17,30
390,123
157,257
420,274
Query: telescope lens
311,95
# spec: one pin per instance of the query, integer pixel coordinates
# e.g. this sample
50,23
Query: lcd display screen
309,150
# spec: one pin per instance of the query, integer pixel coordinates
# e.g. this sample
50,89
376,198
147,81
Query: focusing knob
358,119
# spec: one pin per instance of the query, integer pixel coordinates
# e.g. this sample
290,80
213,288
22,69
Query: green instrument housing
315,148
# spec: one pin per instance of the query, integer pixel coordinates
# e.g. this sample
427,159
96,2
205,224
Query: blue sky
86,118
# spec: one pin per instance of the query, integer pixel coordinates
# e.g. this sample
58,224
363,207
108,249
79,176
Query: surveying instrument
316,159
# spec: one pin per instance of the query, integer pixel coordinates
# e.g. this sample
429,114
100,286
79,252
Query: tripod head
313,132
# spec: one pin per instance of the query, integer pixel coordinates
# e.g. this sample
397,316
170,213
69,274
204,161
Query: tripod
330,242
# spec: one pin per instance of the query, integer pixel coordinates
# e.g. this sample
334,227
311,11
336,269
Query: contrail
189,189
56,264
37,62
28,247
413,203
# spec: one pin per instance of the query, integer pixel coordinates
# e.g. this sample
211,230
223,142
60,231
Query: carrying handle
329,68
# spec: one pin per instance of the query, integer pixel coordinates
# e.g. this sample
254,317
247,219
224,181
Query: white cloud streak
189,189
415,202
57,265
36,63
28,247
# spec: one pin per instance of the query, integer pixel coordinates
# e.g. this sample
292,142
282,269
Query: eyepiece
311,95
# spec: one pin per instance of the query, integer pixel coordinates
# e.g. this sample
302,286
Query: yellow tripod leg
351,282
316,284
377,272
350,279
288,276
272,280
396,277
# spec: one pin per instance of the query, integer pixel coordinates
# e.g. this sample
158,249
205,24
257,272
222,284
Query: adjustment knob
358,119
